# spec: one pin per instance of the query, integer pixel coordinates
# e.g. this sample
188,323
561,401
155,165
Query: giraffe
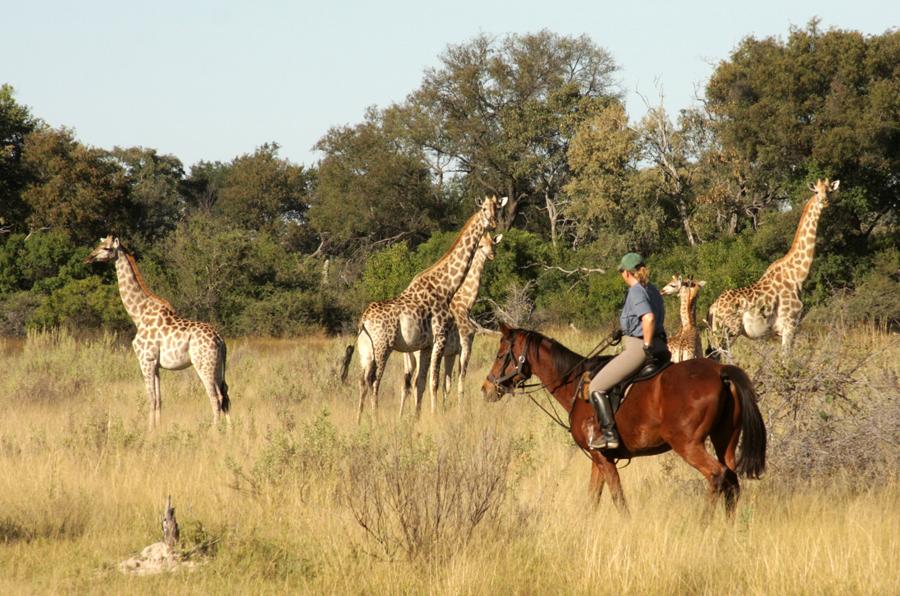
420,316
163,338
773,302
685,344
463,328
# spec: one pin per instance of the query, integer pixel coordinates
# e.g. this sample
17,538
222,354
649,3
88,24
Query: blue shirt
640,301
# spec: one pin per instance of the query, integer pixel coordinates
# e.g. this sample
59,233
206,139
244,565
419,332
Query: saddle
618,393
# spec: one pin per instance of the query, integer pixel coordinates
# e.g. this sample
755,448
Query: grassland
482,498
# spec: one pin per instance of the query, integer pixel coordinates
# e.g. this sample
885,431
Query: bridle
522,369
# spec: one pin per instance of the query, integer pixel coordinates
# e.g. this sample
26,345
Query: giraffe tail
223,386
345,365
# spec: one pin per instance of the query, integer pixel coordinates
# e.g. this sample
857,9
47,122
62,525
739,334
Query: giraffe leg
449,363
367,375
409,369
465,352
382,353
424,357
206,363
150,370
789,323
437,351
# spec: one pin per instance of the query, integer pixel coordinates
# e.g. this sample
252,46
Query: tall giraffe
463,328
420,316
773,302
163,338
685,344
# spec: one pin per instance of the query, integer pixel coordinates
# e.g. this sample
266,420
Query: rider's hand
617,335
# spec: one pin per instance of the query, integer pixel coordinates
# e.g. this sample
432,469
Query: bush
16,310
416,497
80,304
826,410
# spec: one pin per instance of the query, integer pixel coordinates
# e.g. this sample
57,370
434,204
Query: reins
613,339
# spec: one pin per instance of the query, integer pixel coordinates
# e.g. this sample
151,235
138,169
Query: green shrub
80,304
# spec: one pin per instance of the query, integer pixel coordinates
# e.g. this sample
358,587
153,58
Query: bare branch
569,272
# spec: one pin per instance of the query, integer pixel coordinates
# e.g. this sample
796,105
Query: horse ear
498,238
504,329
812,187
503,201
835,185
701,283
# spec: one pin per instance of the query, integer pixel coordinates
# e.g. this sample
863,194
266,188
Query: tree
201,187
669,149
154,182
373,186
818,103
16,123
609,194
79,189
504,113
262,191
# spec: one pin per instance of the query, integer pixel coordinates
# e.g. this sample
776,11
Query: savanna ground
483,498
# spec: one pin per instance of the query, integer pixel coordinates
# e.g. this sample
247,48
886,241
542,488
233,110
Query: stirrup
607,440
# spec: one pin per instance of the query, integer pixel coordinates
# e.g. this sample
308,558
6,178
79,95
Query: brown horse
676,409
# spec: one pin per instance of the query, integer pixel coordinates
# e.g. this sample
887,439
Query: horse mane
564,360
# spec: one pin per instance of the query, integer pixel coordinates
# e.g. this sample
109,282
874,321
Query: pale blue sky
215,79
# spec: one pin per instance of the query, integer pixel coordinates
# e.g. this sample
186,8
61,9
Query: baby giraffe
685,344
163,338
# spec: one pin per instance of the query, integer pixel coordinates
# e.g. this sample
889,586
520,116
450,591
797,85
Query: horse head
511,367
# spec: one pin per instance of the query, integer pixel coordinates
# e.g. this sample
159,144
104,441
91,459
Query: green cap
630,262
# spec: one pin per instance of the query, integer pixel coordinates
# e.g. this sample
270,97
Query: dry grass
276,501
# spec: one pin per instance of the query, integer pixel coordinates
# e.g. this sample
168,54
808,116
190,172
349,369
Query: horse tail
751,462
223,386
345,365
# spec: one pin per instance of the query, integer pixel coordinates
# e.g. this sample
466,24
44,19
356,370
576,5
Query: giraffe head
489,209
822,188
107,250
680,284
487,244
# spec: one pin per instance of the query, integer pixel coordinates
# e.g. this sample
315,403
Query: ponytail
642,274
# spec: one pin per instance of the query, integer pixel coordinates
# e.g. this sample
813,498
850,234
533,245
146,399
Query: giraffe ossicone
164,339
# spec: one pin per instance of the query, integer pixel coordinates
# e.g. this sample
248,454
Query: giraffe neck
799,257
441,281
468,291
132,288
688,310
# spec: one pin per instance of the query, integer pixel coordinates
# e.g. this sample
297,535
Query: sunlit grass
82,486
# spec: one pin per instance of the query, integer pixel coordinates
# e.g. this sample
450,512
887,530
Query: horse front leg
610,475
598,480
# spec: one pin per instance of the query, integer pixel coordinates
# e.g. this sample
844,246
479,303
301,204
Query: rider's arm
647,325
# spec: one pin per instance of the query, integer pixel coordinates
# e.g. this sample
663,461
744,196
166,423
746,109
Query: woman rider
643,334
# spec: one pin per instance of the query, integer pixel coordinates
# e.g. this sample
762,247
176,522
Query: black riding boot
609,438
